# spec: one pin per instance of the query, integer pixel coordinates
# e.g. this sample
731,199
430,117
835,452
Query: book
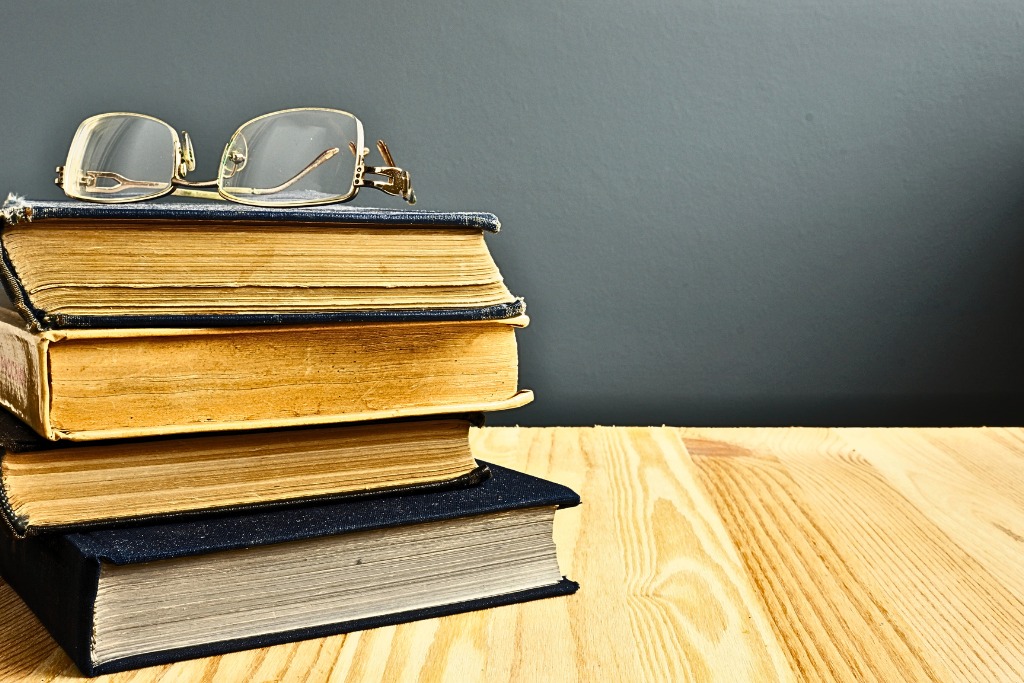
130,597
50,486
88,384
69,264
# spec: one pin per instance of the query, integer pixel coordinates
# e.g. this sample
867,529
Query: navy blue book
75,265
130,597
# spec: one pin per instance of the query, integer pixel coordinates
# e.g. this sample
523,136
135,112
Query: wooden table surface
709,554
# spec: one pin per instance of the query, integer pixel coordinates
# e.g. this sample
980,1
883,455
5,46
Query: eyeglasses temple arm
90,179
398,182
324,156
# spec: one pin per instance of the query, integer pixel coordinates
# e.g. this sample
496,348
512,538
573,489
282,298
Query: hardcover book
69,264
47,486
122,598
87,384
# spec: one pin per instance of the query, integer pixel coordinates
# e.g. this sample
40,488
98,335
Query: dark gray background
747,212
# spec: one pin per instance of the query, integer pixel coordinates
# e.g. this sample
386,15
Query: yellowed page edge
521,398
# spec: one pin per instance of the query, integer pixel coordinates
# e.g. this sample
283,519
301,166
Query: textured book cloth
130,597
73,265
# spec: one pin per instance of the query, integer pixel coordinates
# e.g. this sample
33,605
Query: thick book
87,384
138,596
48,486
69,264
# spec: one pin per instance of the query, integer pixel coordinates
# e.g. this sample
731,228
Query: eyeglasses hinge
398,182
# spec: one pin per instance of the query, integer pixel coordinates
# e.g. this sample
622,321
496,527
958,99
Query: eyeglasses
294,157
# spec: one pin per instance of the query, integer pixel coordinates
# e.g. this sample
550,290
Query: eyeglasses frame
397,183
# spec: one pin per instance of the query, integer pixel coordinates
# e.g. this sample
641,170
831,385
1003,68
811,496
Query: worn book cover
74,265
138,596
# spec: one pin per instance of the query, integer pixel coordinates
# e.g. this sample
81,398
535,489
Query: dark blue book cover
58,575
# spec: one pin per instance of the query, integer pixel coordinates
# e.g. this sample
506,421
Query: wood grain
891,595
708,554
976,501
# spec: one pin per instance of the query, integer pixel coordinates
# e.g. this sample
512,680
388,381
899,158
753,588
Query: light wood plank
965,615
652,549
968,482
663,596
826,619
707,554
903,580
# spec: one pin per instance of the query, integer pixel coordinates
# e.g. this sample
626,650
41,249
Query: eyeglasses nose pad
188,154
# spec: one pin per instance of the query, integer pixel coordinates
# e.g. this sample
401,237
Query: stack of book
230,427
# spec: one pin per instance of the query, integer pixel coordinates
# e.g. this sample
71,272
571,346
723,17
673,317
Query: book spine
24,382
16,291
58,584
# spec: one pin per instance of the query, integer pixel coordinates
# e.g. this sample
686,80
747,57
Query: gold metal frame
397,181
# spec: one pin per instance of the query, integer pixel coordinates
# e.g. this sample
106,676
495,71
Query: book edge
17,209
32,441
512,492
519,320
564,587
22,526
60,322
519,399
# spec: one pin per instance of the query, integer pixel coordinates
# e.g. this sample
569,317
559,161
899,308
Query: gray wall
743,212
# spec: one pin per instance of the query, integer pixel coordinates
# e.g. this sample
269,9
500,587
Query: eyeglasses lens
304,156
120,157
